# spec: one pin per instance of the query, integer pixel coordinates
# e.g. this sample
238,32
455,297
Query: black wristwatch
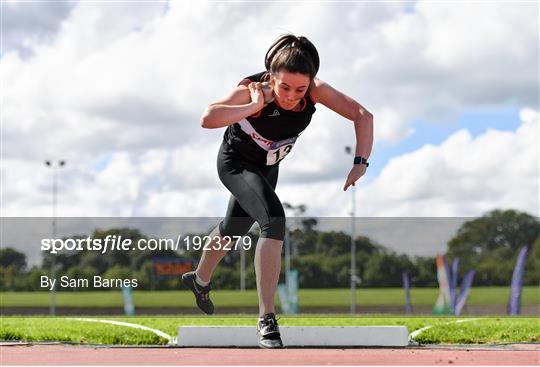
361,160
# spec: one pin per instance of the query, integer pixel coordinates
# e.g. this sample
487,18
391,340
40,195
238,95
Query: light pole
296,211
55,168
354,279
242,269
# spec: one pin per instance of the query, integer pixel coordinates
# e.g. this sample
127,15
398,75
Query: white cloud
156,183
126,84
25,25
464,176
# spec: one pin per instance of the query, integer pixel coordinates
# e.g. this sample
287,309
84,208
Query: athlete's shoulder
318,89
259,77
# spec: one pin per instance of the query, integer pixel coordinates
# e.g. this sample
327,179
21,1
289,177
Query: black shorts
253,196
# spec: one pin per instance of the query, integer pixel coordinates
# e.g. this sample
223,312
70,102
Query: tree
120,257
491,243
33,279
385,270
12,269
13,258
532,265
424,272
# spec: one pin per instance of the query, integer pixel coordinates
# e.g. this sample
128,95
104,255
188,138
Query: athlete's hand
356,172
268,93
256,93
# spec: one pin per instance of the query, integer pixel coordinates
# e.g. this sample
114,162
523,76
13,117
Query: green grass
65,330
484,331
226,298
444,331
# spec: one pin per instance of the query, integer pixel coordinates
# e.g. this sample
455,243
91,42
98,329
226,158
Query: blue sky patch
477,122
102,163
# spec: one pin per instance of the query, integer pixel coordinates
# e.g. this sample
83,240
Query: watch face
361,160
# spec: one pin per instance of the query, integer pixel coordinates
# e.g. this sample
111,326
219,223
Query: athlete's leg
236,223
268,261
253,187
267,269
199,280
211,257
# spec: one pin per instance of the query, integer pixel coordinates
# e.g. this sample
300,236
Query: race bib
276,150
279,150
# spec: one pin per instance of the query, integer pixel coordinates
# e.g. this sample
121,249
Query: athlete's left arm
347,107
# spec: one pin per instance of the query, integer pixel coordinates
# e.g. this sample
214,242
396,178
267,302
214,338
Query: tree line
489,244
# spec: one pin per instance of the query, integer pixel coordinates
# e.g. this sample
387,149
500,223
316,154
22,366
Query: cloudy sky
117,88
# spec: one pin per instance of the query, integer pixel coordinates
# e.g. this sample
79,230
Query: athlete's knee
274,226
234,226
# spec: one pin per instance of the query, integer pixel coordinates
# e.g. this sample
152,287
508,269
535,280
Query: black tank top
268,136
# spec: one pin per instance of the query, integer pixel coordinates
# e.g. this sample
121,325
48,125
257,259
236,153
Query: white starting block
295,336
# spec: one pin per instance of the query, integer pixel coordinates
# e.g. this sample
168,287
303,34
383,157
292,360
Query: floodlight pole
55,168
349,150
242,269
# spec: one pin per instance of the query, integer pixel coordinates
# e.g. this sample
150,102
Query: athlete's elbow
364,117
206,121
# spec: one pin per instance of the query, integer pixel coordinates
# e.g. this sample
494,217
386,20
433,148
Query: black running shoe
268,330
202,294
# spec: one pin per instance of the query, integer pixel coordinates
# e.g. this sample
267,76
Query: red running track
77,355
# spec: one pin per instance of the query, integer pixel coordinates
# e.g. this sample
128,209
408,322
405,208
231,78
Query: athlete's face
290,88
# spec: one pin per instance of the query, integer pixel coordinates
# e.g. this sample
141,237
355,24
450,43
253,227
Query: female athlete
264,116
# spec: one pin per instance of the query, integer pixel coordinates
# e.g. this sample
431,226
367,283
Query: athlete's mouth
288,104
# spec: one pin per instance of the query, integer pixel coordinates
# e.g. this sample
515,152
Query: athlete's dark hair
293,54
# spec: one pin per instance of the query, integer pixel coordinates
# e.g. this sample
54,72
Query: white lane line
135,326
415,333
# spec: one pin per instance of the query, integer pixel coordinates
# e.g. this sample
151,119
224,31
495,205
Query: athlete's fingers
255,87
350,181
347,184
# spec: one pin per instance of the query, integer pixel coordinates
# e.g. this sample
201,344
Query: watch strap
360,160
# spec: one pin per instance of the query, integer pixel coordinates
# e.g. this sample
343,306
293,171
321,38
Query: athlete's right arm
243,101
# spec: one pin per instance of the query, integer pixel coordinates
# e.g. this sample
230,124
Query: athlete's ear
272,81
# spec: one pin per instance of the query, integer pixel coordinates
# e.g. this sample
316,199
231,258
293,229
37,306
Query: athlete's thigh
253,191
271,174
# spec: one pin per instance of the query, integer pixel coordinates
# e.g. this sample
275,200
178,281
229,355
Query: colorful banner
283,294
464,293
406,286
514,301
454,282
288,294
129,305
292,287
443,305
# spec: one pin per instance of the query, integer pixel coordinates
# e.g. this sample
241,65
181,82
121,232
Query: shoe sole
268,347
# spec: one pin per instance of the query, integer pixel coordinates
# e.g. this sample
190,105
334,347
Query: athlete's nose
291,97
